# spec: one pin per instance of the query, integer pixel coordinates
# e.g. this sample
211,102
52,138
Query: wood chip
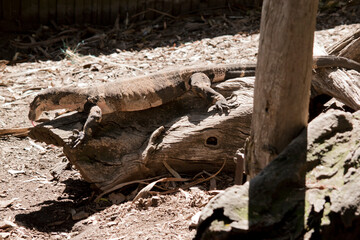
6,203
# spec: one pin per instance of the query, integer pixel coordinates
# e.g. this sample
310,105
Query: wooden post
283,77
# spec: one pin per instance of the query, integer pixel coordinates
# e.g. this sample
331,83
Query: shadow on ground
58,215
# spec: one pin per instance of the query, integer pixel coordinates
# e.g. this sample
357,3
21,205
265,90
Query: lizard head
56,98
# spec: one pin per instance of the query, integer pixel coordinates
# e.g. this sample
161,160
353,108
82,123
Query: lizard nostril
211,141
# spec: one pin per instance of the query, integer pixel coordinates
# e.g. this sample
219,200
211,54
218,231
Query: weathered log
134,145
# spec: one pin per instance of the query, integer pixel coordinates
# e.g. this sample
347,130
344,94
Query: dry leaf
146,189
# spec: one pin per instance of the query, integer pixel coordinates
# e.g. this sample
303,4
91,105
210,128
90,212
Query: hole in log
212,141
267,107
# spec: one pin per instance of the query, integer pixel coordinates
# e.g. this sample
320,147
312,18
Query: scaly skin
132,94
153,90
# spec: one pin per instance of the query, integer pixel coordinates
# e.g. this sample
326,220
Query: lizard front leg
201,85
92,120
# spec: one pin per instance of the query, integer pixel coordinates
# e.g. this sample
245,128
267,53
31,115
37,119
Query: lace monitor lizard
143,92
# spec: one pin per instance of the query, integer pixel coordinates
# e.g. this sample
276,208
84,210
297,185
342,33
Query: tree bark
283,77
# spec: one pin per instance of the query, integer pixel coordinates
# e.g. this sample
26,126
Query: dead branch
16,132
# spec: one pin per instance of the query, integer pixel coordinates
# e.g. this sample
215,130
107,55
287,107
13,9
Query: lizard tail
239,73
334,61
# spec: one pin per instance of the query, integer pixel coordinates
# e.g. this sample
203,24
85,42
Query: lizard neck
70,99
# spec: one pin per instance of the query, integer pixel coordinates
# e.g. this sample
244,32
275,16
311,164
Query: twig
121,185
68,31
196,181
153,10
116,64
37,146
31,71
95,38
151,185
44,52
228,22
171,170
37,44
16,132
32,89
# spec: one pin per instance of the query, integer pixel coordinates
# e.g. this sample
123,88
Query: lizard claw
223,106
220,106
77,138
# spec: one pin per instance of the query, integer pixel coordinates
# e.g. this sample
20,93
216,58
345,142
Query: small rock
7,224
155,200
80,215
6,203
109,224
194,220
59,169
117,198
4,235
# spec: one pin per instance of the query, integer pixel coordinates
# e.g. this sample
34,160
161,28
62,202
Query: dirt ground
36,205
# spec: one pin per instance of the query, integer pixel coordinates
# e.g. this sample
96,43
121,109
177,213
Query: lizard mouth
33,116
34,112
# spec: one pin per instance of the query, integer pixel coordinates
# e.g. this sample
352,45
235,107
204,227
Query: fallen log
135,145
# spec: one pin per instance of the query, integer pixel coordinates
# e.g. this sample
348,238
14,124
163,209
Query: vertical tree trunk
283,78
